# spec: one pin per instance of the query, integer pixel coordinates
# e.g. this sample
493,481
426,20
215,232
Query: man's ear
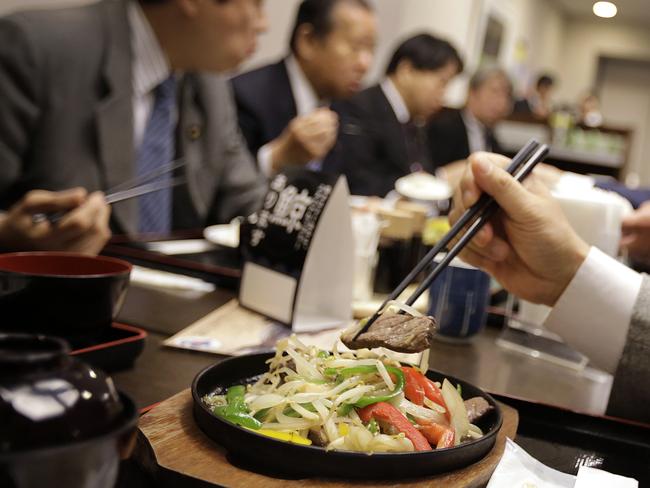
404,71
305,42
189,8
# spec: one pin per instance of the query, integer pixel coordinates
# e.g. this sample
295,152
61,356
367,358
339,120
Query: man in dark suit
283,107
381,127
537,104
94,95
453,134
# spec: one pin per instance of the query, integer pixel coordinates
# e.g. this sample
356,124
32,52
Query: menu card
298,253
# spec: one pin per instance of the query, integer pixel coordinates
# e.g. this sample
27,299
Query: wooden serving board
177,453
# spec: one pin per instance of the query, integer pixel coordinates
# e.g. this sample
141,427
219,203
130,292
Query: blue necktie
157,149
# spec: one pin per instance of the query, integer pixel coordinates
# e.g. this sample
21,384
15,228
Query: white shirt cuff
264,160
594,312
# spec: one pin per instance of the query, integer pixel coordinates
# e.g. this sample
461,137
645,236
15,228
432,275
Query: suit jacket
447,137
375,147
630,395
636,196
265,103
66,118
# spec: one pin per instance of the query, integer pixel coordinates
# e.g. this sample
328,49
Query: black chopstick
134,187
485,216
520,158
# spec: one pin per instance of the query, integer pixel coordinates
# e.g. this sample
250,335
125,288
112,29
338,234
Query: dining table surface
162,371
533,385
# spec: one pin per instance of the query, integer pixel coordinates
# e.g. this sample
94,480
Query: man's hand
529,247
636,234
84,228
306,138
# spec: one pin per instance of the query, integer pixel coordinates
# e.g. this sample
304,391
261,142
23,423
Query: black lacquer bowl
281,458
62,294
63,423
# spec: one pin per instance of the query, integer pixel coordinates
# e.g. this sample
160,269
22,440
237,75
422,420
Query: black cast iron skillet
270,455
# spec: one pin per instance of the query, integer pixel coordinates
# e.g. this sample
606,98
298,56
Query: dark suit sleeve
359,141
635,196
248,120
630,395
241,186
19,100
447,138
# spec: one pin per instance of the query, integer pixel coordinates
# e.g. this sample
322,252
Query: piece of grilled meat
477,407
397,332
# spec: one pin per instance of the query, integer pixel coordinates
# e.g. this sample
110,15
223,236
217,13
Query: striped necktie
157,149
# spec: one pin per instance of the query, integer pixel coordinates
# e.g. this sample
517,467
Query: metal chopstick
140,185
117,197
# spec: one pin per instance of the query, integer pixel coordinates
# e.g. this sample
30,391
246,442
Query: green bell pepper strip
369,400
236,410
373,426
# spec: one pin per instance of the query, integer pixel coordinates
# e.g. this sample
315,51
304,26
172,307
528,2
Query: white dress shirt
594,312
306,102
150,67
396,101
475,132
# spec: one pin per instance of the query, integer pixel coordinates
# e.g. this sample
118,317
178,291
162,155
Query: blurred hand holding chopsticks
473,220
135,187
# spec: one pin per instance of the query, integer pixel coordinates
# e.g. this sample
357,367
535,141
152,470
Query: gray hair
486,73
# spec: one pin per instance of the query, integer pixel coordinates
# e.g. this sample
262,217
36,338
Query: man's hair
425,52
318,14
486,73
545,80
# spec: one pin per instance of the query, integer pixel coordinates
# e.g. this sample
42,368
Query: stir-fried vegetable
236,410
387,413
360,401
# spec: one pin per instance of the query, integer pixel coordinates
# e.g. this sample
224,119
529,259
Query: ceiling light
605,9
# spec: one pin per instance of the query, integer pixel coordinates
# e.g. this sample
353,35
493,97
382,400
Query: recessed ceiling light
605,9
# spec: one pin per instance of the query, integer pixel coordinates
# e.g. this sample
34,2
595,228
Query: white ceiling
629,11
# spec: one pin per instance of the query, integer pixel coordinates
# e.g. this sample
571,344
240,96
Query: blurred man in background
453,134
538,103
284,108
382,133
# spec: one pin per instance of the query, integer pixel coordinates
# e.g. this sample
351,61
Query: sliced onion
303,412
384,375
403,306
457,410
304,367
350,363
434,406
424,360
261,402
353,395
422,413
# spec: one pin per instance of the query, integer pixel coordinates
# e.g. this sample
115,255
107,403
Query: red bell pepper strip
438,435
387,413
432,392
413,389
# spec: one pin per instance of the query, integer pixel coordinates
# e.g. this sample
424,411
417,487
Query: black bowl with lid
61,419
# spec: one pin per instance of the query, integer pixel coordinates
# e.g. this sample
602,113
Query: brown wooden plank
170,439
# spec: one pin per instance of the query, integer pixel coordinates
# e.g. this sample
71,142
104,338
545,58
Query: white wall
625,101
584,42
536,25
